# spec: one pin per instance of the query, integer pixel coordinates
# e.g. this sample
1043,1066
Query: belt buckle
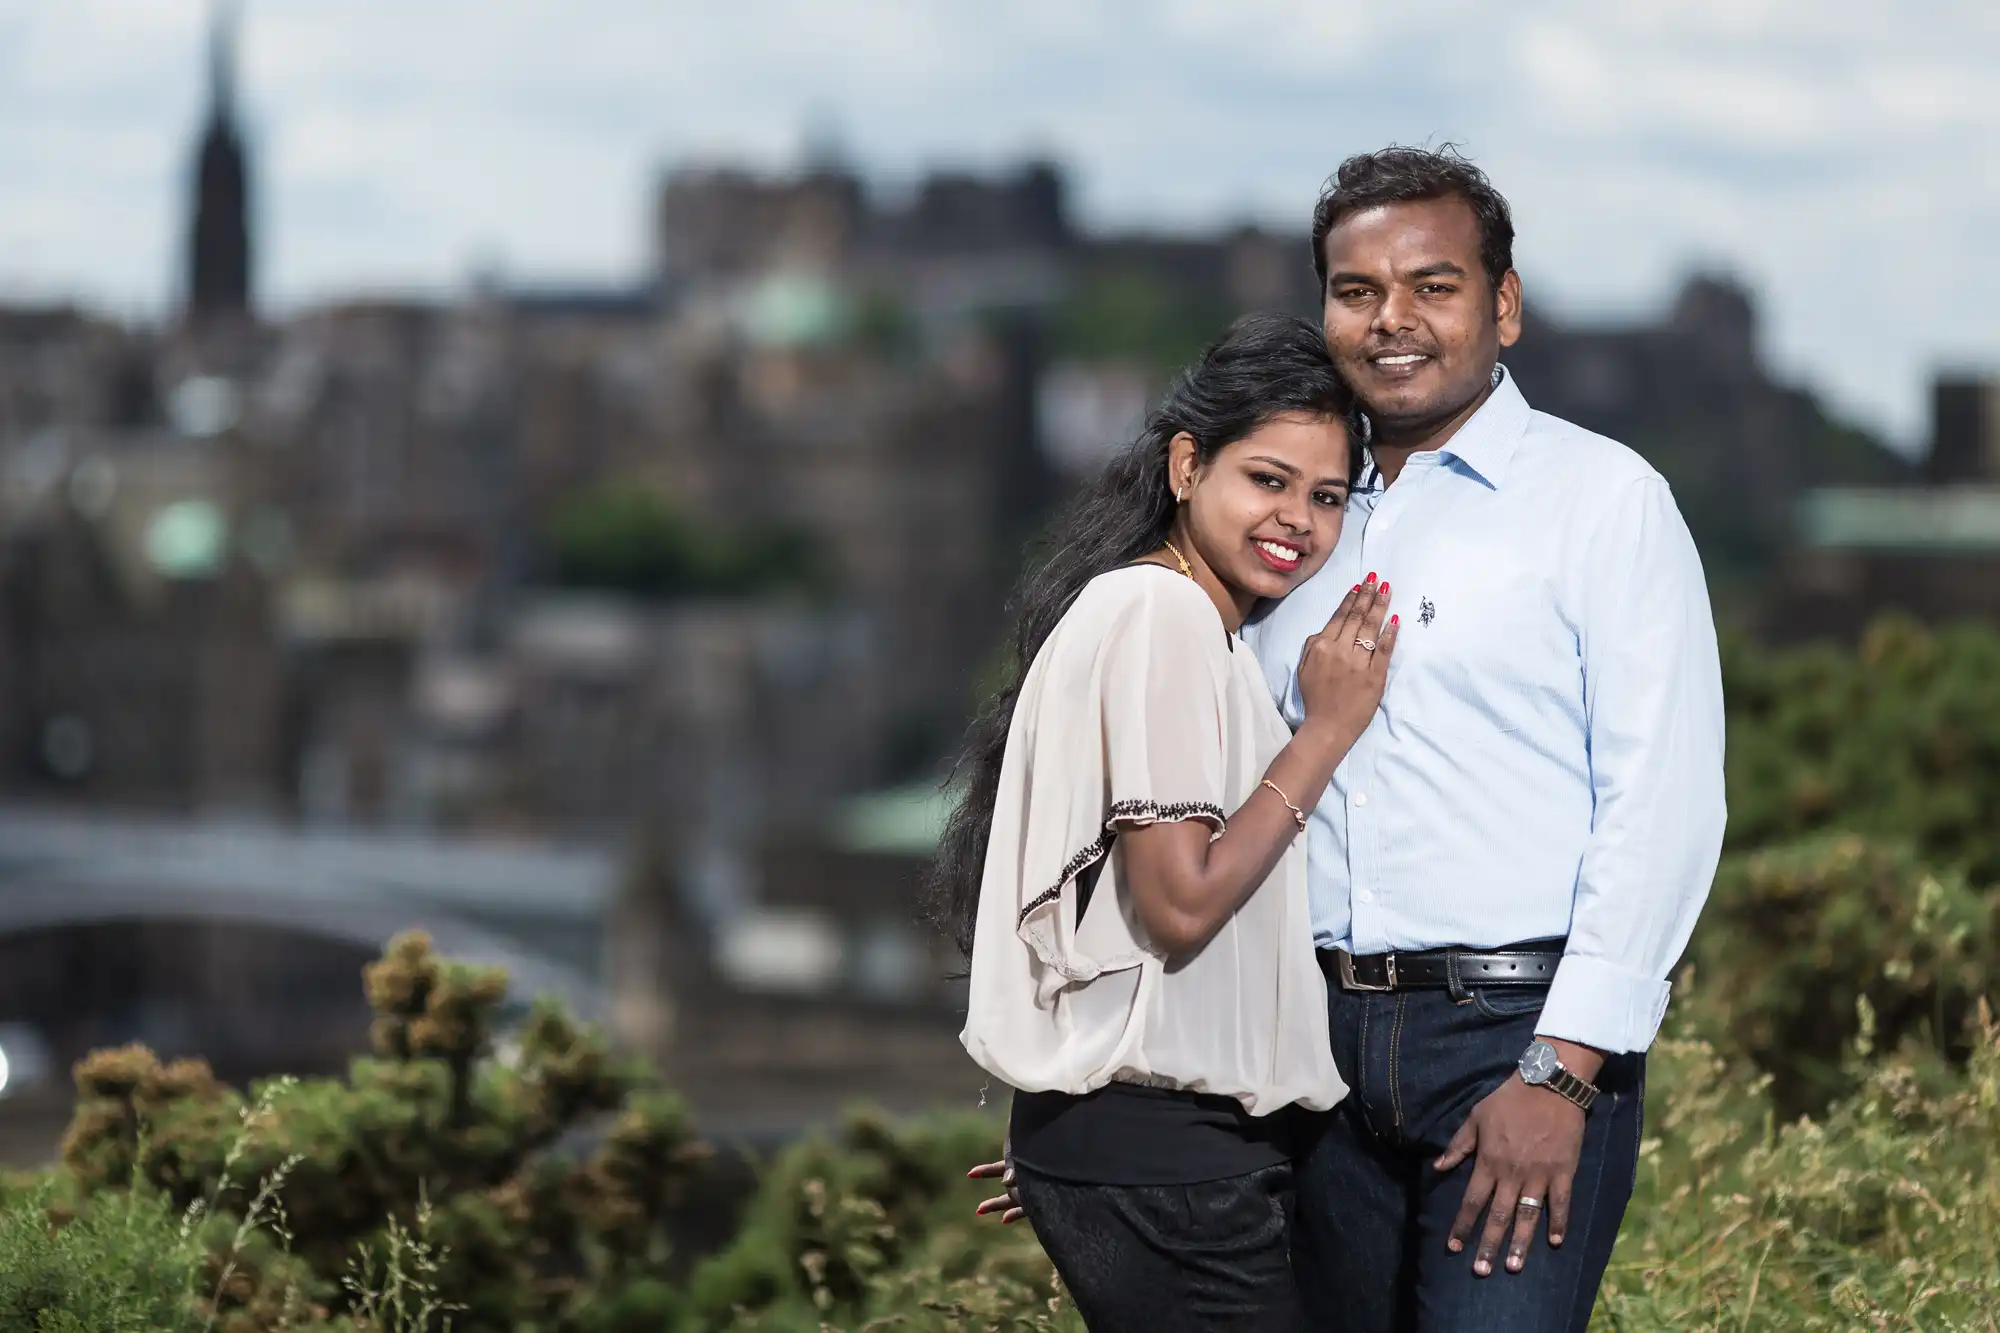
1347,979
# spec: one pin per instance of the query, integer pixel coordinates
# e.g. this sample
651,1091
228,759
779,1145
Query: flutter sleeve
1127,731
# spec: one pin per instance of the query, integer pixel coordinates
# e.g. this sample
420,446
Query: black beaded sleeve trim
1151,812
1146,812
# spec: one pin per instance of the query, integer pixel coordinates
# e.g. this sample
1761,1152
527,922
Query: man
1510,860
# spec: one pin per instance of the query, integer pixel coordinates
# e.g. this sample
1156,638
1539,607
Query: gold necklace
1185,567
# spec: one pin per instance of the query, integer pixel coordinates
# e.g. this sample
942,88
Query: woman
1126,869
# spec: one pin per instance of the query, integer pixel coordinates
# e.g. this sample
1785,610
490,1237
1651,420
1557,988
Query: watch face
1539,1063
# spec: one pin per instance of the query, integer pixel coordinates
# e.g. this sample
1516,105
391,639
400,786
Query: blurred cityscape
621,635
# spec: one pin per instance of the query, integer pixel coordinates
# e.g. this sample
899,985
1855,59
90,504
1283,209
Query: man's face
1410,317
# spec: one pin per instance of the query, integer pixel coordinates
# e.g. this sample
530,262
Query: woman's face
1265,512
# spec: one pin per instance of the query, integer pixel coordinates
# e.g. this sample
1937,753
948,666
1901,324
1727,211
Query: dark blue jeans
1372,1215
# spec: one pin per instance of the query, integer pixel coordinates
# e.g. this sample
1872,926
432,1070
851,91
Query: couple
1360,783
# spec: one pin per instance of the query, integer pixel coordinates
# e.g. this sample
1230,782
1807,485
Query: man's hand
1008,1205
1527,1141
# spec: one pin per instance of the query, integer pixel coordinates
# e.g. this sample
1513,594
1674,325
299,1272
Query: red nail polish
1384,590
1357,587
1370,578
1395,620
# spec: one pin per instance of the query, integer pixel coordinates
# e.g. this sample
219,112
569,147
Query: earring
1180,498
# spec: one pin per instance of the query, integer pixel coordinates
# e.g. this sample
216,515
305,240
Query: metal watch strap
1572,1088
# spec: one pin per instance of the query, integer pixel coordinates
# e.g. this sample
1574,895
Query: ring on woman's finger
1525,1202
1365,645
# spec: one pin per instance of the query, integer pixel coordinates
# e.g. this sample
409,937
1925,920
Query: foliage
431,1164
127,1266
1883,1215
1124,314
128,1259
1796,935
1900,740
1863,850
875,1229
627,538
395,1290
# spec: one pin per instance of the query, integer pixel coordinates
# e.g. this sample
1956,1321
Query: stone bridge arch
537,911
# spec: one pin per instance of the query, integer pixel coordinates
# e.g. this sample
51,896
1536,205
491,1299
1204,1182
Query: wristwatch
1541,1067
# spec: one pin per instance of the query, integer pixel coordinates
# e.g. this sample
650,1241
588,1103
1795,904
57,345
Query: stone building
137,661
1694,395
1930,549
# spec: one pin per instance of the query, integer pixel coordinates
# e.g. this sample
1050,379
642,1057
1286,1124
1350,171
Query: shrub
522,1228
125,1266
1900,740
877,1225
120,1259
1883,1215
1795,936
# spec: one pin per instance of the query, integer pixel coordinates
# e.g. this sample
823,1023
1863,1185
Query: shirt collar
1485,444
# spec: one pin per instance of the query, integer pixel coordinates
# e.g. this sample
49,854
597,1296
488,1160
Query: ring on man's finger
1366,645
1525,1202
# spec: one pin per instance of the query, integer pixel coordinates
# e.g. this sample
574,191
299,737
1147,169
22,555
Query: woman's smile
1285,559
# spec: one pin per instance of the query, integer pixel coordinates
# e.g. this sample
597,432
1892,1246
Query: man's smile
1398,364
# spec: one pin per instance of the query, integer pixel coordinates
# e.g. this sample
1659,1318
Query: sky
1838,156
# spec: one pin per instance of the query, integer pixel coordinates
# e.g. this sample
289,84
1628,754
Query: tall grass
1884,1214
127,1259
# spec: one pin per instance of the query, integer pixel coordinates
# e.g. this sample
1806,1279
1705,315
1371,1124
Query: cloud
1837,154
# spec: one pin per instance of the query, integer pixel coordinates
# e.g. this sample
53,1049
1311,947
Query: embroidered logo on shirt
1426,613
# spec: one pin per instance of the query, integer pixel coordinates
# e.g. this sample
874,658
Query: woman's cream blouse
1140,707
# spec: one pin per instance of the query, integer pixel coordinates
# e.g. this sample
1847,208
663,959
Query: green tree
1129,314
1899,740
627,538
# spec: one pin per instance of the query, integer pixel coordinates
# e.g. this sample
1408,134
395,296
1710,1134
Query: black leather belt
1531,964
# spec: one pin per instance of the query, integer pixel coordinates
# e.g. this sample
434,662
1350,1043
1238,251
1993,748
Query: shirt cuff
1595,1003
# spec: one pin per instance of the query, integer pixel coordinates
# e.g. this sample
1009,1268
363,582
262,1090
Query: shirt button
1365,896
1360,798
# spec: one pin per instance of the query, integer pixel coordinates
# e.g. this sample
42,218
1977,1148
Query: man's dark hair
1397,175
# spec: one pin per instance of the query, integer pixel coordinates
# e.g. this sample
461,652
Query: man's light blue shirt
1547,759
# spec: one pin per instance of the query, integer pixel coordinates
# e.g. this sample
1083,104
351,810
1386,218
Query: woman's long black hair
1264,366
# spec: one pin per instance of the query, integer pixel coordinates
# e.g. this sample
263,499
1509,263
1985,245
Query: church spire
222,62
218,280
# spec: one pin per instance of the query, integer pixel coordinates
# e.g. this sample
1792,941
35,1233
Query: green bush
1900,740
628,538
431,1151
125,1266
1885,1214
1796,936
877,1225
